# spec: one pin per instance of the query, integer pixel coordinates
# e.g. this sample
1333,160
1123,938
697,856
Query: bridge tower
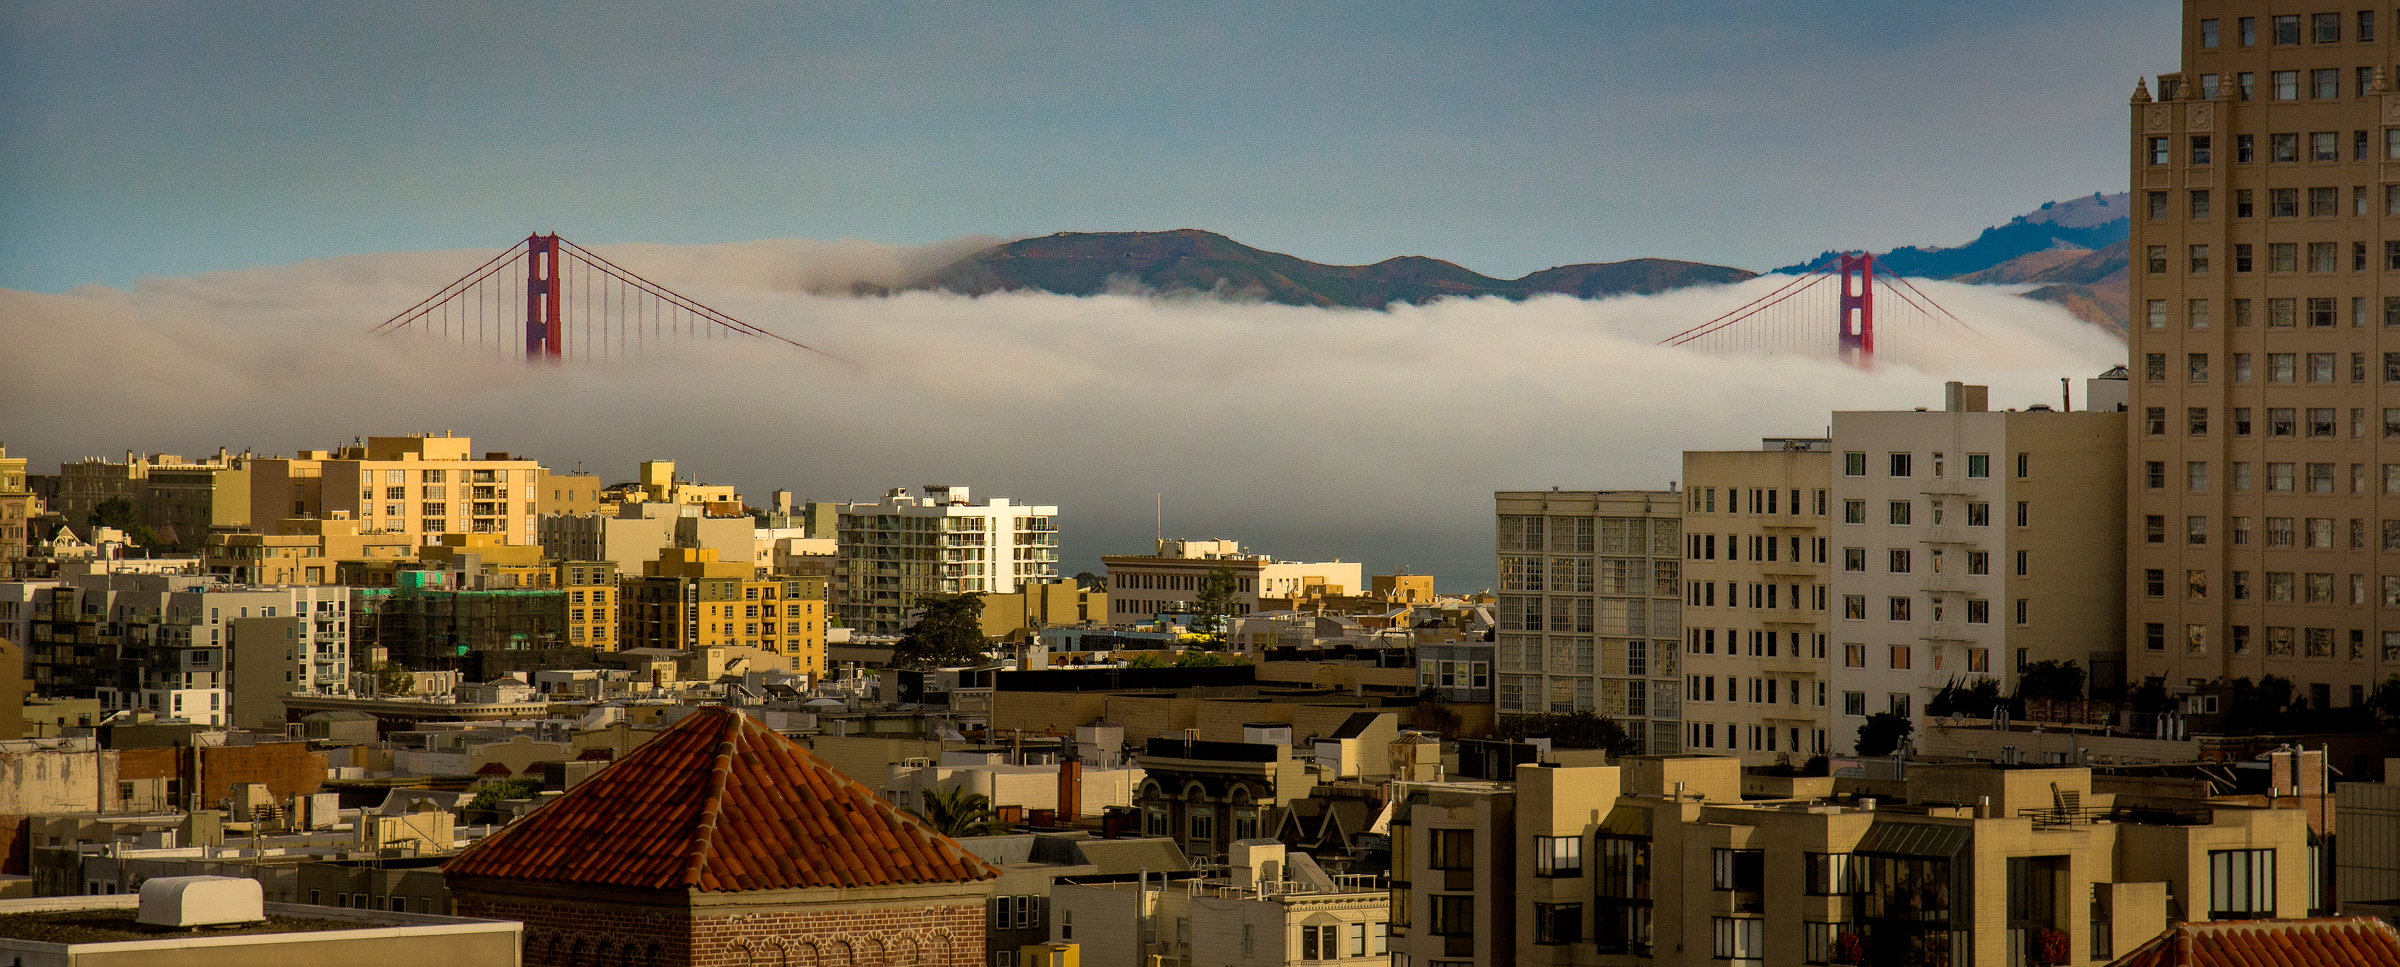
545,332
1856,324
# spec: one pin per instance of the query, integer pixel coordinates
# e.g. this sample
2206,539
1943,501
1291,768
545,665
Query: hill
2090,223
1189,260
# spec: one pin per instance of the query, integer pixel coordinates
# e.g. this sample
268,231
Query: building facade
182,646
17,509
1756,605
906,548
1591,608
2264,483
688,599
1141,586
1963,545
421,486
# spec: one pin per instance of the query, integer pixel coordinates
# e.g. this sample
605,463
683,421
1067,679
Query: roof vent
201,901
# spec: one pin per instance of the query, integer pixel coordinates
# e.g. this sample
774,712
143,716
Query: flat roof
119,924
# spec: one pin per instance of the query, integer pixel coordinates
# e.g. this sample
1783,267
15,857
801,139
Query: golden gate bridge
1790,318
568,303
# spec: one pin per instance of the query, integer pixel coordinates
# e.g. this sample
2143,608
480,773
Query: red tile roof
720,803
2324,942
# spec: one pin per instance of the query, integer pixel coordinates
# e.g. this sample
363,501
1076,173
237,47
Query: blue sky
169,139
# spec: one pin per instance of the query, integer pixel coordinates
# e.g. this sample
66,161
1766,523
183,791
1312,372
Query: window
2328,28
1740,869
1854,464
1854,607
1854,559
2324,83
1623,895
2284,86
1741,941
2208,35
1557,923
2157,260
2195,476
1979,514
1854,512
1897,608
1898,511
2158,204
2322,257
2366,31
1453,914
2324,202
1899,560
2241,884
1558,856
2195,367
1453,849
2158,150
1900,464
1979,465
1320,942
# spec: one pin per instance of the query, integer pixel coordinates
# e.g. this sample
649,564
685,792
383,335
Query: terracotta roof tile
2349,941
720,803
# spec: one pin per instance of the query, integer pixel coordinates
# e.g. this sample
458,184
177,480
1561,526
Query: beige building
420,486
1755,600
303,550
1964,547
182,501
1662,858
562,493
17,509
1268,908
688,599
1171,578
1591,607
906,548
2264,511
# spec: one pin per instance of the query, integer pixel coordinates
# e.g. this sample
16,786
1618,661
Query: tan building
1038,606
488,560
420,486
2264,515
688,599
1591,607
1663,859
1172,577
575,493
17,510
1755,611
302,550
1964,548
182,501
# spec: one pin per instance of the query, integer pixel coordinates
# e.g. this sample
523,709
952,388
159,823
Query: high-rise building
1591,599
906,548
421,486
17,505
2263,507
1967,544
1755,600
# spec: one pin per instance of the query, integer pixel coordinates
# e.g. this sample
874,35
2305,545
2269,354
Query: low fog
1374,436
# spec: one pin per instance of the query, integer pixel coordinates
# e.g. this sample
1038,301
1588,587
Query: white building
1591,608
906,548
1755,605
1140,586
1967,544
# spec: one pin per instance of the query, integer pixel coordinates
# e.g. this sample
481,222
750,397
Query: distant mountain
2091,304
1089,263
2094,222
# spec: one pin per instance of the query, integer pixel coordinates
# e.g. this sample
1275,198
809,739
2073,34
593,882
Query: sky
171,139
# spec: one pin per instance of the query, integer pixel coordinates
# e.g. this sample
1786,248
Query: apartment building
422,486
1756,605
592,600
907,547
689,599
1171,578
2264,484
181,500
1967,544
17,504
1591,607
300,551
184,646
1270,908
1662,859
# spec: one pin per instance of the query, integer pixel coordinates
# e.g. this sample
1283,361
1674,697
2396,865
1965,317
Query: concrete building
593,595
1269,908
1664,859
119,929
906,548
180,646
1171,578
421,486
1591,607
1756,610
2367,853
569,493
1023,614
18,506
2262,492
182,501
632,534
1964,549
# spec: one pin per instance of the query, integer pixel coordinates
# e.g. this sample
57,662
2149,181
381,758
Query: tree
955,812
1195,658
119,513
1883,732
2150,697
1214,606
1580,729
393,678
949,632
1147,659
1434,714
2386,700
489,797
2059,681
1975,700
1091,582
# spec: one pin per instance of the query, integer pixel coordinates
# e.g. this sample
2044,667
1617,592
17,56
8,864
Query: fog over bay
1375,436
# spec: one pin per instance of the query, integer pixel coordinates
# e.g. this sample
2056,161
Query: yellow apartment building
689,599
421,486
17,504
592,596
568,493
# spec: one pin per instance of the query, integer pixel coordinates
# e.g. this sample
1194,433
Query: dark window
1453,914
1557,923
1453,849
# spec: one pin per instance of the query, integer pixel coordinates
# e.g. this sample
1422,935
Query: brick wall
562,932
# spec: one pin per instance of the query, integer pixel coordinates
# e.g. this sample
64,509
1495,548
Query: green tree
1215,604
955,812
393,678
1975,700
2150,697
1434,714
2059,681
1580,729
1090,581
489,796
119,513
1147,659
2386,700
949,632
1883,732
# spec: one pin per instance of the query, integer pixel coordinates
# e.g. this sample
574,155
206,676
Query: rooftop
2352,941
118,925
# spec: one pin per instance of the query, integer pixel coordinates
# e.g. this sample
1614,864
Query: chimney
1070,791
